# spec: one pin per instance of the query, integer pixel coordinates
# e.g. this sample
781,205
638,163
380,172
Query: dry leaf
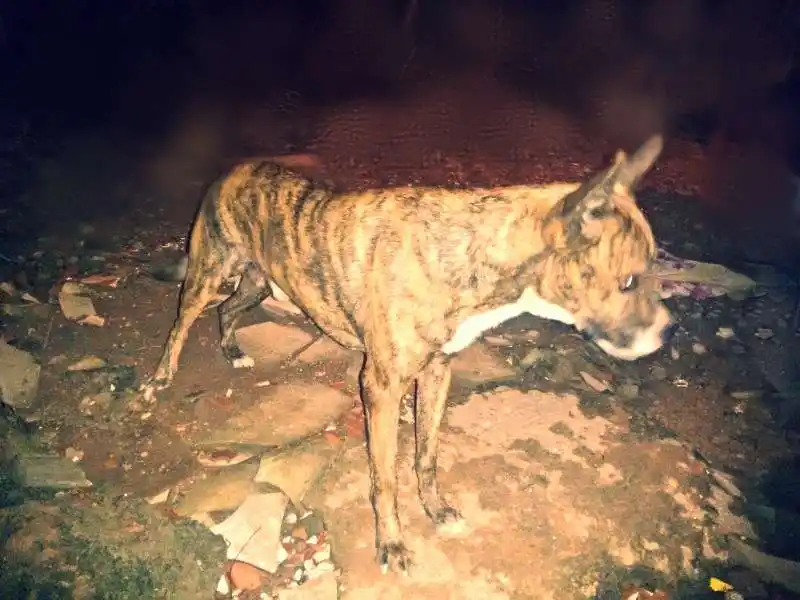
95,320
29,298
107,280
593,382
87,363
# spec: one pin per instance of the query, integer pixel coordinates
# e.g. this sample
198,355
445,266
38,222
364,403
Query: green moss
95,547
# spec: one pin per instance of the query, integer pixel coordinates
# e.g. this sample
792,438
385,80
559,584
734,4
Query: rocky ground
579,476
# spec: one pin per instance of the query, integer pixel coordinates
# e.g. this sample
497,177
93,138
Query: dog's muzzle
668,332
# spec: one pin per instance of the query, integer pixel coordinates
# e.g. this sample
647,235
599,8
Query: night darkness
114,116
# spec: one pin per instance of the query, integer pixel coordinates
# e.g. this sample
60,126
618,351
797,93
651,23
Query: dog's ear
578,218
627,171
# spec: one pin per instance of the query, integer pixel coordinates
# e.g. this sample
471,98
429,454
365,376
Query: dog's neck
520,240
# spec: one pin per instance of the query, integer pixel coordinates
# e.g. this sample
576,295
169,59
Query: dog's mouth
632,344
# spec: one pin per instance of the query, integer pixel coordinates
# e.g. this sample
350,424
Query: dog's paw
243,362
449,521
394,556
148,393
149,388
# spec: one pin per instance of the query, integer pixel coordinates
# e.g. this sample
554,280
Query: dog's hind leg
203,279
253,289
433,385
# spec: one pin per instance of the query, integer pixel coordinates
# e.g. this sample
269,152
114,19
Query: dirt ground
578,475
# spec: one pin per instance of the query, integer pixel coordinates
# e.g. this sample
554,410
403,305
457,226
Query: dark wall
75,63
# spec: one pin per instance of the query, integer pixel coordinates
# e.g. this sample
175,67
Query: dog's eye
629,283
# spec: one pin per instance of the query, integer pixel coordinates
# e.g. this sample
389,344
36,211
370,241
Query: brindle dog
412,275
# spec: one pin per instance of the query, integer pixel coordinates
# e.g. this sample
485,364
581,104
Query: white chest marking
278,293
471,328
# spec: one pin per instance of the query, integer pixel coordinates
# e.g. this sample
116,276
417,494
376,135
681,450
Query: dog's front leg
381,392
433,385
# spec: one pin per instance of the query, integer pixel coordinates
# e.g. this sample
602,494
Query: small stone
253,531
323,586
746,394
267,423
244,576
323,554
764,333
290,518
54,472
298,574
725,333
19,376
282,554
674,353
628,390
57,360
96,403
698,348
299,533
159,498
658,373
312,524
312,540
308,565
73,454
309,552
324,567
224,586
534,356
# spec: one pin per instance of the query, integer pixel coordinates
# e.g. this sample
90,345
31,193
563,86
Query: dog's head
600,250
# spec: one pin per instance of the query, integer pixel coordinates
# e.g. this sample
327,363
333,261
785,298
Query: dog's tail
171,271
175,271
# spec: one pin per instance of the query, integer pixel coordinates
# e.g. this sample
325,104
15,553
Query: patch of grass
534,449
593,404
561,428
92,546
593,459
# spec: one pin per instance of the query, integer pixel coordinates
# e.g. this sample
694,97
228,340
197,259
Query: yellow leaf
718,585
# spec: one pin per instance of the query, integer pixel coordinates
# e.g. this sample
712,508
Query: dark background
75,64
166,93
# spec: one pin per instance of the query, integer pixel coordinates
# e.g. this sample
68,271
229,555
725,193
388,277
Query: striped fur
412,275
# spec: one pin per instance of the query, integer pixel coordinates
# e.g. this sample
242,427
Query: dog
412,275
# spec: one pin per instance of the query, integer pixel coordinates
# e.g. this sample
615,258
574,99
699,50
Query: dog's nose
591,332
668,332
